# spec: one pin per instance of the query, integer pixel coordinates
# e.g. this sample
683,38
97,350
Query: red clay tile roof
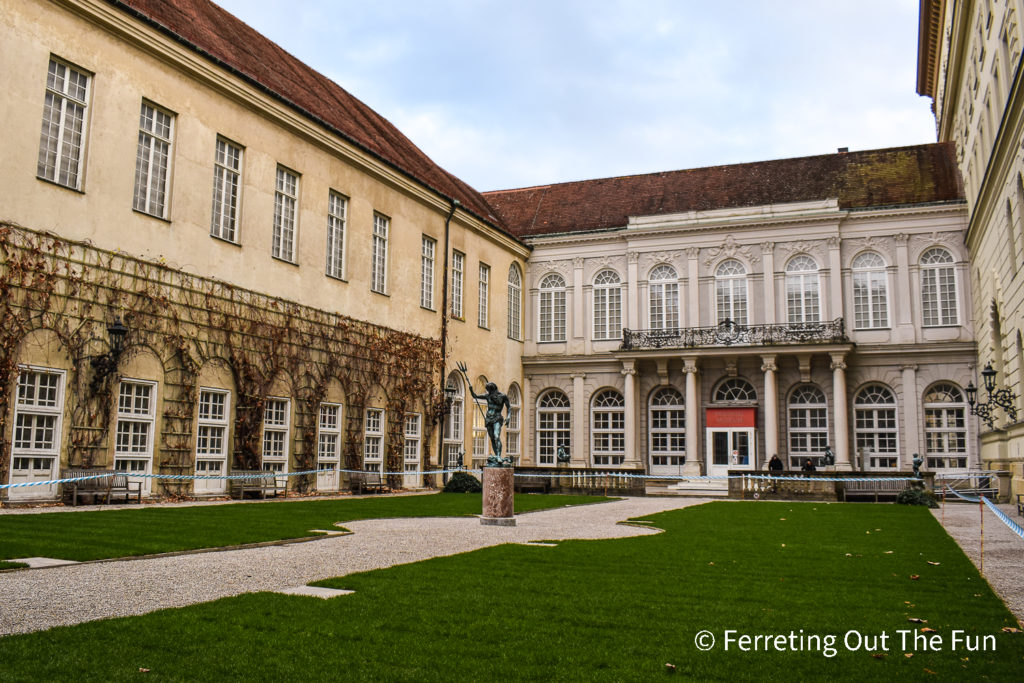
881,177
225,39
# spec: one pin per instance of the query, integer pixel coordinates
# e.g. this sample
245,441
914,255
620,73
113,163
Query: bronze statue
493,420
918,461
561,454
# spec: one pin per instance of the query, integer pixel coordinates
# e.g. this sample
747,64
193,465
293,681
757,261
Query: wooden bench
888,488
366,481
115,483
262,482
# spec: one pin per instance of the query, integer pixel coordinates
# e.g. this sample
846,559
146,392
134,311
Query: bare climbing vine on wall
74,290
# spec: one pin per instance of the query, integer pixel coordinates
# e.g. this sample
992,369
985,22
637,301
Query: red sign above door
732,417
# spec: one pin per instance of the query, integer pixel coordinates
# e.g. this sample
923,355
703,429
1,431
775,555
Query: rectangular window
458,267
227,178
136,414
379,255
286,209
429,249
373,440
337,205
153,161
479,431
411,450
38,412
212,431
328,448
485,277
276,417
62,141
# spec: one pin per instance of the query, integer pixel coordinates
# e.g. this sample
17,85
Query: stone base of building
498,521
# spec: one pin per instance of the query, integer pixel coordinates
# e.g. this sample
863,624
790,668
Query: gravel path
32,600
1004,550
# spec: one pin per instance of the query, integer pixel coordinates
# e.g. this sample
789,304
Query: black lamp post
1002,398
106,363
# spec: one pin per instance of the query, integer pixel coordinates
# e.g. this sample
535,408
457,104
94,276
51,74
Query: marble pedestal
498,497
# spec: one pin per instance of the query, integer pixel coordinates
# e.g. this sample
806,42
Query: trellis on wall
74,289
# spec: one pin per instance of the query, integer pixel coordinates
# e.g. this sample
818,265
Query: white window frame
876,428
428,255
731,292
607,305
337,215
153,160
412,448
458,273
551,312
807,425
663,298
513,428
379,254
454,423
227,190
515,303
483,296
870,292
945,423
554,425
803,291
328,436
373,439
277,418
206,457
666,428
32,458
608,428
286,214
136,424
939,289
65,127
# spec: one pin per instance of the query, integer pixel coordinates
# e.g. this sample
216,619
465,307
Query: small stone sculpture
918,461
561,454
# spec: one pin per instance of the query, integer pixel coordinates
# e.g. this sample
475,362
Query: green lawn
99,534
588,610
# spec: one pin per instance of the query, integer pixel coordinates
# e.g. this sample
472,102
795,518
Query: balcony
728,333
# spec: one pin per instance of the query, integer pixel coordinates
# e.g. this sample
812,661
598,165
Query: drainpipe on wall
444,335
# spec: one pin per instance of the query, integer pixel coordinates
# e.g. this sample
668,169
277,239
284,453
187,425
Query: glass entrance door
730,448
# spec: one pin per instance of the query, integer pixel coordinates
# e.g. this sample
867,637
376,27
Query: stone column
842,428
577,452
903,294
693,287
771,408
768,257
527,451
835,279
632,290
577,298
693,455
911,416
632,458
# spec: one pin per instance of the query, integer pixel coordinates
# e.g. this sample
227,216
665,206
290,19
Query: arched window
735,390
513,424
608,428
453,424
808,426
938,288
664,298
607,305
870,292
552,309
554,416
515,298
874,427
731,292
667,419
945,427
802,301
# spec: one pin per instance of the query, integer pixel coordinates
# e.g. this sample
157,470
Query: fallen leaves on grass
889,552
928,630
1011,629
878,655
916,620
915,577
908,655
934,564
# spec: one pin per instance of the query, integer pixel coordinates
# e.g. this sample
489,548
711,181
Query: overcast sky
511,93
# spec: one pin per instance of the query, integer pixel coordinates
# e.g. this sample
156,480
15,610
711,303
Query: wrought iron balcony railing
729,333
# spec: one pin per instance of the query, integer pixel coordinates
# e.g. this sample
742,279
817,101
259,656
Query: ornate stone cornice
731,249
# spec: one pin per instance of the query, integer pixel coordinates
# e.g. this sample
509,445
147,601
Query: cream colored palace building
969,64
298,281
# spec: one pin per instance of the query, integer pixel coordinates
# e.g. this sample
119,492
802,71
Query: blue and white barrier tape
191,477
1014,527
969,499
